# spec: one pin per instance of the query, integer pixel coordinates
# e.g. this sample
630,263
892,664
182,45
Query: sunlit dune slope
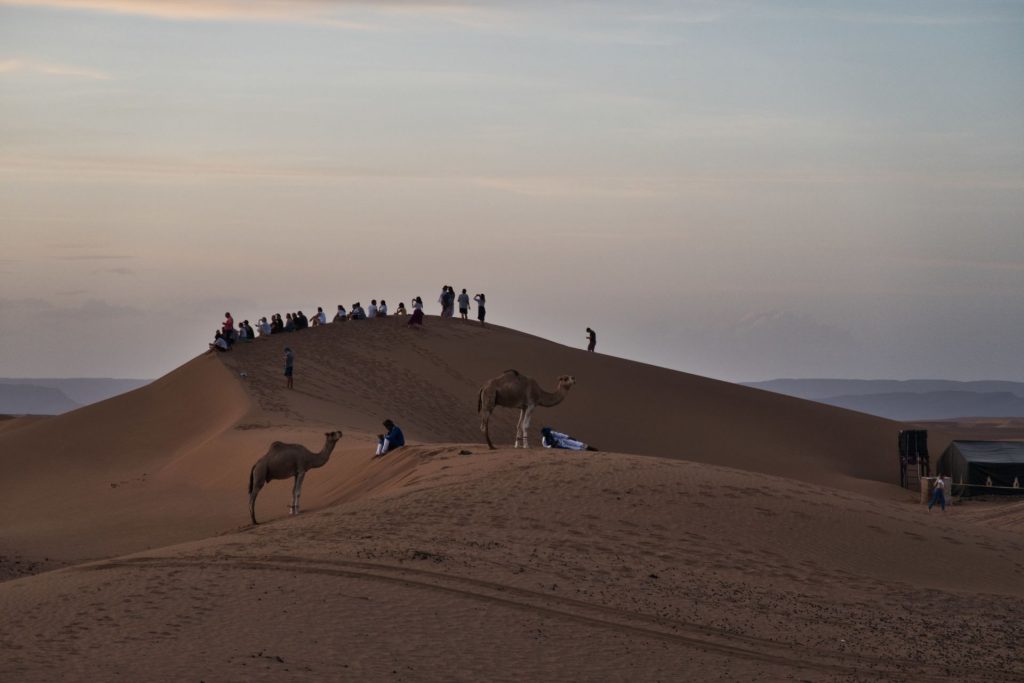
543,566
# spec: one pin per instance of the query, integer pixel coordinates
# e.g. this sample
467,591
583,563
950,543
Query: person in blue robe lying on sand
552,439
390,441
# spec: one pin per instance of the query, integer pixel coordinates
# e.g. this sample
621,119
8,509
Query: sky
739,189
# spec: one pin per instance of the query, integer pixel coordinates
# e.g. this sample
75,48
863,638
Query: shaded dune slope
169,461
355,374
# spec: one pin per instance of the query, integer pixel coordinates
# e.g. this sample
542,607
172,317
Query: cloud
40,309
576,186
335,14
963,263
930,19
14,66
143,169
95,257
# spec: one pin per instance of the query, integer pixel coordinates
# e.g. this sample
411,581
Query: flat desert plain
721,532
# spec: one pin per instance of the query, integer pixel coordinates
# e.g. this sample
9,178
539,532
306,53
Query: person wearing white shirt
371,310
382,310
938,494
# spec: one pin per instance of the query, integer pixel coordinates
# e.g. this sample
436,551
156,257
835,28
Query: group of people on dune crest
228,334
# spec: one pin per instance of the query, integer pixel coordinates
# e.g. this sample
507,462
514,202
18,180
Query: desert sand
721,533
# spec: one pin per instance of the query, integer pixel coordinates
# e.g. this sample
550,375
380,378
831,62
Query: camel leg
257,478
519,427
296,492
526,425
485,406
252,501
485,427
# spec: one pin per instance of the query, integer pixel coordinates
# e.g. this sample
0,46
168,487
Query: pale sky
744,190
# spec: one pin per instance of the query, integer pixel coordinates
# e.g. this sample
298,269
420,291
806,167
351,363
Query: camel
285,460
512,390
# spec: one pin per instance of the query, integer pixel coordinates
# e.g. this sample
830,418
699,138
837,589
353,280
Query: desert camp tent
982,467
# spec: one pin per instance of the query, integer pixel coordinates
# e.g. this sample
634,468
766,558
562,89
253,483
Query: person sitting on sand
301,321
371,310
357,312
390,441
289,323
264,327
341,316
938,495
219,342
552,439
401,309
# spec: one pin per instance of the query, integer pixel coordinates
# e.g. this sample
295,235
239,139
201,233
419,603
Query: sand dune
721,533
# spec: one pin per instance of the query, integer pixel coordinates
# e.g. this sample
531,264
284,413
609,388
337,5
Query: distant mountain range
906,400
39,396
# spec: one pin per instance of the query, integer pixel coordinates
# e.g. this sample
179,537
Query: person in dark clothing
416,318
592,337
938,494
289,362
390,441
552,439
481,308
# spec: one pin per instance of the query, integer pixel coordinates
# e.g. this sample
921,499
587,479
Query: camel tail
252,474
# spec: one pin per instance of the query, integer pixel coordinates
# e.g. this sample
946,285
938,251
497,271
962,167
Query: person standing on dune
592,339
464,305
289,369
481,308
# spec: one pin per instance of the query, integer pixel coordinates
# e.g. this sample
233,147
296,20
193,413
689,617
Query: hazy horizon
746,191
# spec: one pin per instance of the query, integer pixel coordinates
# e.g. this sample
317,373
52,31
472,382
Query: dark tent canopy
979,467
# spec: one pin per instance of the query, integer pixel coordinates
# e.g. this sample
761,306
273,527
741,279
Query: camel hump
512,372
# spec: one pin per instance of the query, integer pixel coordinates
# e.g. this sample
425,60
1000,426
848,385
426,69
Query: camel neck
321,458
547,399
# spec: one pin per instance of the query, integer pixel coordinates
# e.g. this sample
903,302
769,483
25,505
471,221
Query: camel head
566,382
332,437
